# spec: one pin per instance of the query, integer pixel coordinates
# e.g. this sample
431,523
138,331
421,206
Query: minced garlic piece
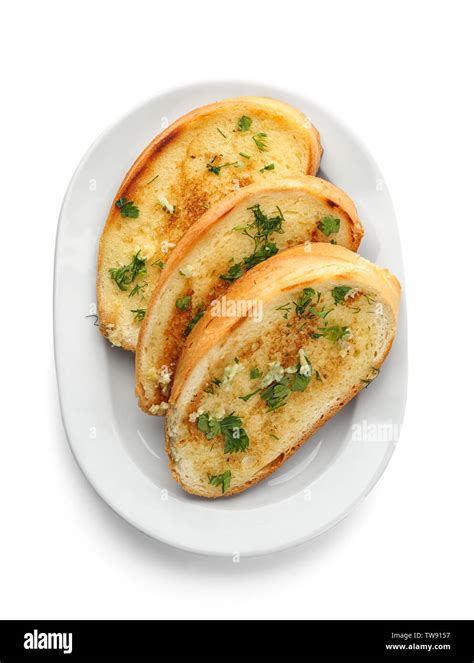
165,375
187,271
158,408
344,343
229,374
166,246
152,374
194,416
166,205
147,250
218,412
352,293
275,374
305,366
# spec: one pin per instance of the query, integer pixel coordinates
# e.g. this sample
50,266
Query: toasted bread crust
305,185
285,271
159,145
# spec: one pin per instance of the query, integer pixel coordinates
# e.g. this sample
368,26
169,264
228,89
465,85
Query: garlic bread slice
190,166
298,337
238,233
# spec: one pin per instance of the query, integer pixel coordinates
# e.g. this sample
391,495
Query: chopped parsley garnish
244,155
158,263
235,437
370,300
127,208
255,373
125,275
339,293
235,440
323,314
369,380
301,379
269,166
193,322
286,308
260,231
211,167
221,132
329,225
234,273
221,480
303,304
208,425
244,123
247,396
139,313
300,382
333,334
183,303
260,141
210,387
137,288
276,394
266,250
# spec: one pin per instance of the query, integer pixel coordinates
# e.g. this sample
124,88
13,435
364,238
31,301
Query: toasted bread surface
249,391
190,166
213,253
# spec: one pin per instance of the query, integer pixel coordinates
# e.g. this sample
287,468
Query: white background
400,74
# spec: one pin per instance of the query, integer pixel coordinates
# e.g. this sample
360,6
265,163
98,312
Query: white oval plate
121,450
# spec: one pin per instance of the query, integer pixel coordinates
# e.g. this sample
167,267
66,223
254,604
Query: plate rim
183,88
